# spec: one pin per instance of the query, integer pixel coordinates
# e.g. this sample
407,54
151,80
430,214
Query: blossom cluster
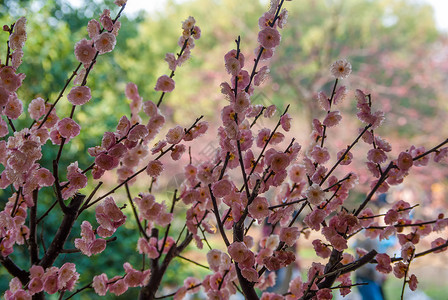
257,179
50,280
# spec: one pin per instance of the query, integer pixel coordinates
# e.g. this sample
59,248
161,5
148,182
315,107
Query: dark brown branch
14,270
63,232
32,240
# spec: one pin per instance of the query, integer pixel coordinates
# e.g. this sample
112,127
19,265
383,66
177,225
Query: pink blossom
242,79
36,109
413,282
119,287
109,215
35,285
408,251
297,173
100,284
438,242
321,250
4,96
51,284
315,218
315,194
105,42
242,102
120,2
347,158
66,273
154,168
150,109
232,53
165,84
134,277
137,133
84,52
106,21
131,91
238,251
324,294
79,95
97,246
106,162
269,38
279,161
261,75
177,151
441,154
68,128
13,108
404,161
383,265
10,80
383,187
376,156
400,269
250,274
263,137
289,235
175,135
44,177
214,259
93,28
340,94
259,208
222,188
320,154
332,119
270,111
171,60
233,66
341,69
296,287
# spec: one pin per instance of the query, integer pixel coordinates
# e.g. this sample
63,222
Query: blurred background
398,50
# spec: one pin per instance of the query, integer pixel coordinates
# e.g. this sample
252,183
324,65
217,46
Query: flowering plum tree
254,178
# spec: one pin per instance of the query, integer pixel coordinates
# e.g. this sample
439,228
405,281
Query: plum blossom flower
214,259
404,161
315,194
289,235
238,251
36,109
341,69
165,84
321,249
84,52
383,265
100,284
222,188
119,286
400,269
233,66
68,128
376,156
154,168
413,282
320,154
105,42
79,95
332,119
269,38
175,135
13,108
259,208
279,161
